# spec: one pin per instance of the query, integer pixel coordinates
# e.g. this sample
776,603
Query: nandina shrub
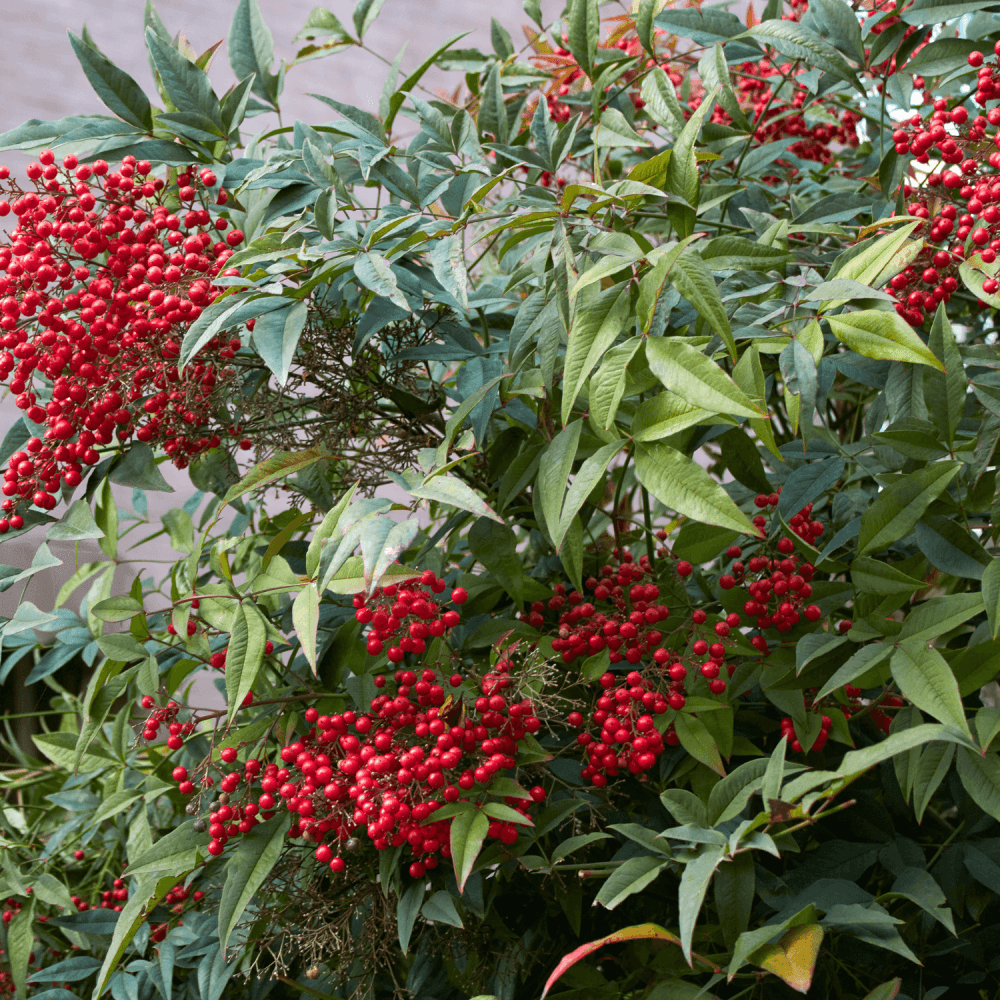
664,666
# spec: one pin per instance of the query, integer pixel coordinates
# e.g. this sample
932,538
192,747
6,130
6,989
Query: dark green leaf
257,853
251,51
114,86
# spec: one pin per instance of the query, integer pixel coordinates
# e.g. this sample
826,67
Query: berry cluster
960,205
777,119
98,281
166,716
411,612
629,739
626,628
385,772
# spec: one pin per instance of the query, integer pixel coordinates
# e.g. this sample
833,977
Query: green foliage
618,325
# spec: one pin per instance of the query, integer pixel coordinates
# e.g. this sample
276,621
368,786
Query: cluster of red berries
961,206
98,282
385,772
627,629
166,716
777,119
410,612
628,739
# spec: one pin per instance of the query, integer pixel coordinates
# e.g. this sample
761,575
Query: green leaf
169,853
729,797
682,170
697,740
276,336
883,336
244,655
138,468
186,85
934,764
685,807
614,130
631,877
122,647
981,778
180,528
454,493
683,485
692,278
734,893
327,529
595,327
945,391
691,894
114,804
950,548
149,891
554,471
927,682
365,12
696,378
897,509
251,51
666,414
77,524
644,24
375,273
468,831
20,944
736,253
608,384
661,101
114,86
584,29
448,262
441,908
839,24
872,576
495,546
589,475
856,761
407,911
246,870
117,609
798,42
284,463
991,596
305,619
939,615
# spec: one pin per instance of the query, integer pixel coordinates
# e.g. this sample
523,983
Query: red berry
684,568
459,595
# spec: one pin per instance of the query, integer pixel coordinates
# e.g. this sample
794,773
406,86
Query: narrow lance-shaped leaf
113,85
698,379
691,894
926,680
284,463
883,336
468,831
897,509
305,618
256,855
681,484
244,656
